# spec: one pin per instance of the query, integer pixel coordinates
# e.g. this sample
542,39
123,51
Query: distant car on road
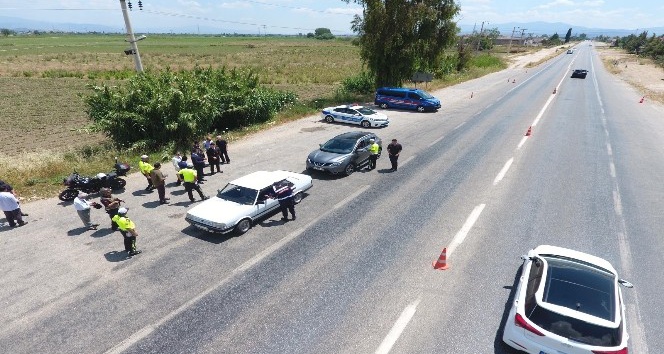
354,114
579,73
570,51
567,302
344,153
243,201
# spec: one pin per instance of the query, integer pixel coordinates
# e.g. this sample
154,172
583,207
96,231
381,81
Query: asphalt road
354,273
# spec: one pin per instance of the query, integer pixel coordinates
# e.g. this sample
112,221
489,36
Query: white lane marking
502,172
608,148
459,126
350,197
147,330
436,141
407,160
541,113
612,169
461,235
523,141
398,328
617,204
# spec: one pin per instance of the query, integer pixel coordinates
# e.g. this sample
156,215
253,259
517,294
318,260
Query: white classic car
238,205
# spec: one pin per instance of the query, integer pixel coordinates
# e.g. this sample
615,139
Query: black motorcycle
76,183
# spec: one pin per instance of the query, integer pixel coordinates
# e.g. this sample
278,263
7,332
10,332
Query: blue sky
302,16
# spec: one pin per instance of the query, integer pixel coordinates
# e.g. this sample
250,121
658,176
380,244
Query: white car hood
220,210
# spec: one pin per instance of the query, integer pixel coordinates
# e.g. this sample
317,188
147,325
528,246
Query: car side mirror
320,145
625,283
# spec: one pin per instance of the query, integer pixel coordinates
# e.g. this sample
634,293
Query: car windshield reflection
339,146
237,194
366,111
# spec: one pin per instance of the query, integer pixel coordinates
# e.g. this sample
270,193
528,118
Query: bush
154,110
363,83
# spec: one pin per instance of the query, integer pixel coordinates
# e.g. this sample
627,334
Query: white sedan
244,200
366,117
567,302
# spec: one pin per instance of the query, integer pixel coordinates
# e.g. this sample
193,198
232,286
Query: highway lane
353,274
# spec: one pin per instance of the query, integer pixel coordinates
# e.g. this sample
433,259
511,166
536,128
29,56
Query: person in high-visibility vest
146,168
374,149
190,179
128,230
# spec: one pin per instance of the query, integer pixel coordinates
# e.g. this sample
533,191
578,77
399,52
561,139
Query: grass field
42,80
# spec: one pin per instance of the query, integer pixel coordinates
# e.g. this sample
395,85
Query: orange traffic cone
530,131
441,263
642,98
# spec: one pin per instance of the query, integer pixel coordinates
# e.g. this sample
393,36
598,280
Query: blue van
408,98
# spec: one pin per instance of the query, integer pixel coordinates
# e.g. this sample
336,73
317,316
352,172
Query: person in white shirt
9,205
176,163
82,206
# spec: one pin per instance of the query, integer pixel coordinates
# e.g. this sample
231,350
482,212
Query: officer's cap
123,211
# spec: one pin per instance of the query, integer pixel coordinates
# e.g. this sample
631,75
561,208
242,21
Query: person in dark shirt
222,145
283,192
213,158
394,149
198,159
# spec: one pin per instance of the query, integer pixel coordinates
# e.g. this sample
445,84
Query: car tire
350,168
365,124
243,226
297,198
329,119
420,109
383,105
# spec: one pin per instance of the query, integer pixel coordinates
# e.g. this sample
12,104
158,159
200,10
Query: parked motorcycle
76,183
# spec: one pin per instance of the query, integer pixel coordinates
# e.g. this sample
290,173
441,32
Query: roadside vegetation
56,86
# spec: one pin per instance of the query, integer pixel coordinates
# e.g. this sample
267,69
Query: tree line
644,45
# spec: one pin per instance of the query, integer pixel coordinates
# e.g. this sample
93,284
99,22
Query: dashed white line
617,204
436,141
398,328
612,169
502,172
459,126
461,235
523,141
608,149
351,197
407,160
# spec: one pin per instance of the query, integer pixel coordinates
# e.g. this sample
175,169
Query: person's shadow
116,256
77,231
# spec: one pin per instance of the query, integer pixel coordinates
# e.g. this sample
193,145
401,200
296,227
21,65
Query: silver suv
344,153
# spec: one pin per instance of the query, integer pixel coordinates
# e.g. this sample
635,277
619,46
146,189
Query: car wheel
365,124
420,109
297,198
243,226
383,105
350,168
329,119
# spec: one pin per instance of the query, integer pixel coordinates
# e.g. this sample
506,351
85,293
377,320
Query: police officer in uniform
146,168
374,149
284,194
128,230
189,178
111,204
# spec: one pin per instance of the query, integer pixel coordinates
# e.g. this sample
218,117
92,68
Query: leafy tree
7,32
310,35
399,37
568,35
321,31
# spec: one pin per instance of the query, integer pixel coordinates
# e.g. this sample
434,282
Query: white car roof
566,252
261,179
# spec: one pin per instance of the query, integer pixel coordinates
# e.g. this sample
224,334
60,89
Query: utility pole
132,40
479,41
523,30
509,47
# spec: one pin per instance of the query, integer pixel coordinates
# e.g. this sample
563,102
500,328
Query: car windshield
426,95
237,194
366,111
339,146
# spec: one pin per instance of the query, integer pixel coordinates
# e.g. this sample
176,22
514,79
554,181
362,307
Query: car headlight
308,160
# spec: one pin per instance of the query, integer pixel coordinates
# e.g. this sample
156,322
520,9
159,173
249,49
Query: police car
354,114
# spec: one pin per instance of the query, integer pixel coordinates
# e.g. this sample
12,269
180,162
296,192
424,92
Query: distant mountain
548,28
506,29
